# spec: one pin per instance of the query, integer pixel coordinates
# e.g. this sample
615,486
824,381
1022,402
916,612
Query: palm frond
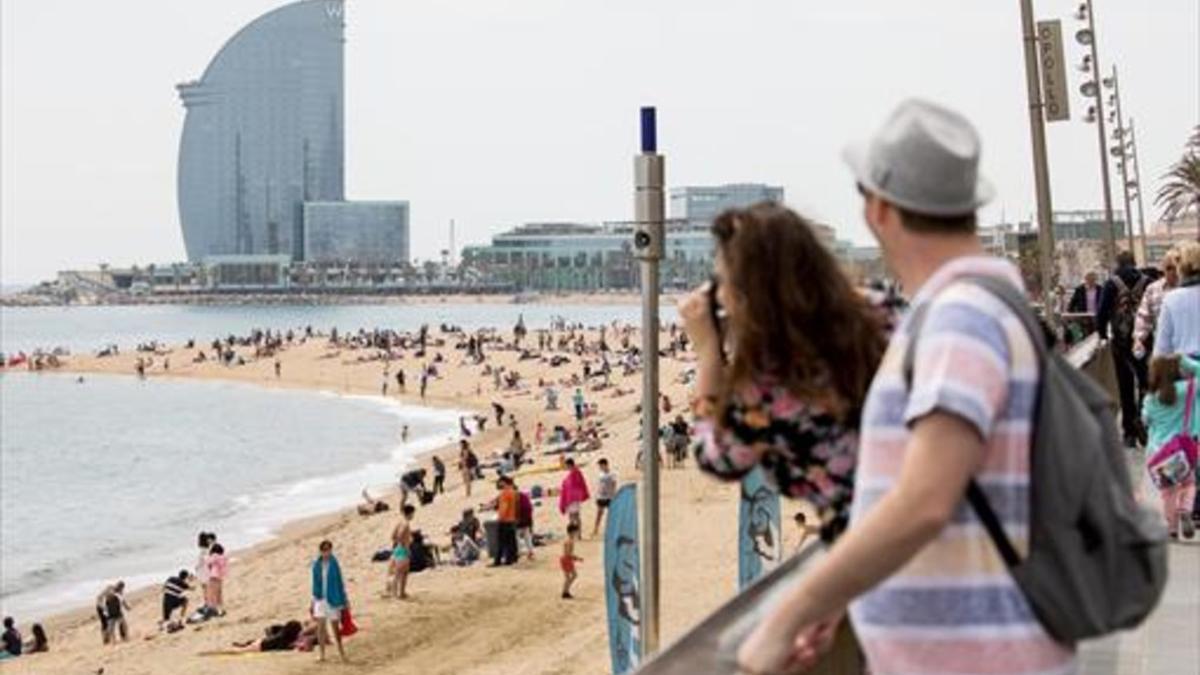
1180,193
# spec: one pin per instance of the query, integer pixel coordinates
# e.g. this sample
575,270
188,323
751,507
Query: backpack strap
1189,404
1016,302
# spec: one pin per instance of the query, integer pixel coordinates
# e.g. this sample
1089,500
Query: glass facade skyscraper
264,134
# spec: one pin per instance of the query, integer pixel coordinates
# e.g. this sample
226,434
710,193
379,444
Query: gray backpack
1097,560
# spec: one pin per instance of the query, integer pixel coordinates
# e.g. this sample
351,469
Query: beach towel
574,490
347,627
337,590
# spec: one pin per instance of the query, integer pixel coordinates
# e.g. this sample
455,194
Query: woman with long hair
803,347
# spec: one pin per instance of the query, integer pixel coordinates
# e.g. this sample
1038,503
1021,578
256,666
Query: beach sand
459,620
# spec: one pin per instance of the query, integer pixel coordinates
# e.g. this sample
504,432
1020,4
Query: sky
498,112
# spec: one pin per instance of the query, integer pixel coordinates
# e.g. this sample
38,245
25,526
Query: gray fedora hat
925,159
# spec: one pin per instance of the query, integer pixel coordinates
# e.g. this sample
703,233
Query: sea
110,477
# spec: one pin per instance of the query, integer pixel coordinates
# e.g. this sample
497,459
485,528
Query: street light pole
1119,135
1041,171
1137,183
1110,239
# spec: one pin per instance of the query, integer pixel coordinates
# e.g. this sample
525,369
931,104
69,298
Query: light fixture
1082,12
1132,185
1083,36
1115,151
1088,89
1108,82
1086,66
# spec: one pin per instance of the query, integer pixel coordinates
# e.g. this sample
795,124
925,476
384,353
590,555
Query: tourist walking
1174,427
1115,319
439,475
218,572
467,463
329,599
929,591
1086,297
790,398
524,522
567,560
508,507
204,542
111,607
606,489
1178,330
1151,307
572,494
580,404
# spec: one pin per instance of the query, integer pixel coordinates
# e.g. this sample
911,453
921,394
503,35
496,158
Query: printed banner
760,546
622,574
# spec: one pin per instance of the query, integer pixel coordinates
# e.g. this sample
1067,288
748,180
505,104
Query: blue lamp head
649,131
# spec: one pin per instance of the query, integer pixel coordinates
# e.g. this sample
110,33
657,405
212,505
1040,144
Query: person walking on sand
568,559
606,489
572,494
218,571
111,606
401,385
424,382
204,542
580,404
467,462
508,507
329,599
278,368
401,554
383,382
439,476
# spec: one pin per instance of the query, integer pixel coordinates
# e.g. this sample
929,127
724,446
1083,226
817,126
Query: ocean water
83,329
114,477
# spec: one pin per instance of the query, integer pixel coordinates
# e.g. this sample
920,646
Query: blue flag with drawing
622,574
760,546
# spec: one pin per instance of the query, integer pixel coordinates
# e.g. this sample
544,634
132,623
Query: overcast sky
498,112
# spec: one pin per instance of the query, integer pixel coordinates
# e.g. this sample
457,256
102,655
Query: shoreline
514,616
300,299
289,525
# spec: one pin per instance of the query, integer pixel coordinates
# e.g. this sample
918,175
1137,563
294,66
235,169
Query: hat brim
856,157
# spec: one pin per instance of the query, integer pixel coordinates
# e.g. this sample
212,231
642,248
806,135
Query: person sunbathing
371,506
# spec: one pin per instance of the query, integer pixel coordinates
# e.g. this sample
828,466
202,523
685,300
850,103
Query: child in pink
218,570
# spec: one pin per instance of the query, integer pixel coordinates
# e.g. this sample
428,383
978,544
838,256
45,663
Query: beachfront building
562,257
701,204
264,135
366,232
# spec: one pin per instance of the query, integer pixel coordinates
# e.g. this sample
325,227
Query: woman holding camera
803,346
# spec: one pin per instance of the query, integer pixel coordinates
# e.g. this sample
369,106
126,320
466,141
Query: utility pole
1041,170
649,230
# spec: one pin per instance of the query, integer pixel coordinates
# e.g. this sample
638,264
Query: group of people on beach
12,644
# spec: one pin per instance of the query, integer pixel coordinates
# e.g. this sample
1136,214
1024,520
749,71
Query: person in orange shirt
507,512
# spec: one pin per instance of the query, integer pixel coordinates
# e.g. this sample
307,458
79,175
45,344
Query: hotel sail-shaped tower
264,134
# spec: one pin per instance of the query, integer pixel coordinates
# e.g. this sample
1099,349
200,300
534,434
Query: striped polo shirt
953,608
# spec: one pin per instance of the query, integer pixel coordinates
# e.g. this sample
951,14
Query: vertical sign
622,583
759,543
1055,99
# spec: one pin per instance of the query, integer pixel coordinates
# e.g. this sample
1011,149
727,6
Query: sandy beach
459,620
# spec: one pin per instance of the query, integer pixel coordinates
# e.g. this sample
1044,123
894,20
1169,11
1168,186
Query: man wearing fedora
925,588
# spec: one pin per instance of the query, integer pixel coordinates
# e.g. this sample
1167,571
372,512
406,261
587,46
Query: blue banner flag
622,574
760,546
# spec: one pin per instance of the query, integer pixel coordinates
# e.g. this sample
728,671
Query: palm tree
1180,193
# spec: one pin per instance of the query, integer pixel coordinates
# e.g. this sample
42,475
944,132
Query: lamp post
1087,37
1136,184
1119,151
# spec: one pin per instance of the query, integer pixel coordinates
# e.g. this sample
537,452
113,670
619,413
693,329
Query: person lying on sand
276,638
371,506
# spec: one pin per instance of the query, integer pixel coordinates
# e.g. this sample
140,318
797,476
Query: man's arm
942,455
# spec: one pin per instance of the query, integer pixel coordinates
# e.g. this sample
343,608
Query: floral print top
804,451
